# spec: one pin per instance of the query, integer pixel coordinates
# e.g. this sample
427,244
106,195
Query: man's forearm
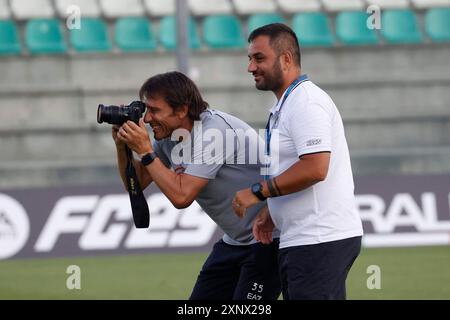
295,179
180,189
168,182
300,176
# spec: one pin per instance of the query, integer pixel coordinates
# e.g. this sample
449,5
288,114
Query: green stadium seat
223,32
44,36
351,29
437,24
91,37
9,40
258,20
134,34
168,36
312,29
400,26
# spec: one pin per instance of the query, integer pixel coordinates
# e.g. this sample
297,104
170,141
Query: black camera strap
139,206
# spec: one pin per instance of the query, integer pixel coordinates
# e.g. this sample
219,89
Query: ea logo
14,226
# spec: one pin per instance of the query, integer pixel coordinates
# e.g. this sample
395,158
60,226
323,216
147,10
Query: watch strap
148,158
257,191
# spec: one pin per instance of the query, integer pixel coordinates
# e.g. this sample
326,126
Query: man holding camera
179,116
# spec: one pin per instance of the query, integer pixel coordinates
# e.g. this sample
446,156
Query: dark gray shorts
239,273
317,271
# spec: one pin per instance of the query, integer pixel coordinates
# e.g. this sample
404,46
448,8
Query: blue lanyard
293,85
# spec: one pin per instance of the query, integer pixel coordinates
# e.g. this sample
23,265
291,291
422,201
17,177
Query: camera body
120,115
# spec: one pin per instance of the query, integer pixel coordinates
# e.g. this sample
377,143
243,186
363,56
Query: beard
159,131
271,81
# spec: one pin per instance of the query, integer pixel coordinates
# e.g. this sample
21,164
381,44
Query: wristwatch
257,191
148,158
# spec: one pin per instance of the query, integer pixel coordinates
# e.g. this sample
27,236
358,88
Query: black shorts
317,271
239,273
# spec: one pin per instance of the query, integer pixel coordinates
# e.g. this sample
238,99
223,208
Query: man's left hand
242,200
136,137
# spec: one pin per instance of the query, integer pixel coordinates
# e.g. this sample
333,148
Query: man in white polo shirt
310,187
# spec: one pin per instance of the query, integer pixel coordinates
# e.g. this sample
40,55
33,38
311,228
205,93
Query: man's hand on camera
119,143
136,137
115,129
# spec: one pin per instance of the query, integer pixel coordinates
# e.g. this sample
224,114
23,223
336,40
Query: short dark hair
177,90
281,38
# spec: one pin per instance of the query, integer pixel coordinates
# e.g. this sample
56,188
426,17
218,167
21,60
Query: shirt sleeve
207,157
310,129
210,150
206,154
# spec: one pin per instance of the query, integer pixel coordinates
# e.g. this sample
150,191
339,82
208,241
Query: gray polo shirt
226,151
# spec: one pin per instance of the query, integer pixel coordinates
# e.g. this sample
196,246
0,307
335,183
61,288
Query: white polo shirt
309,122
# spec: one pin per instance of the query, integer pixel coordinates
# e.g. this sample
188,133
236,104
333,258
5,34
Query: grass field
406,273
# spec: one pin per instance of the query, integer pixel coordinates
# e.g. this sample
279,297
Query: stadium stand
9,38
134,34
329,26
25,9
91,37
437,24
333,5
391,85
167,33
351,29
223,32
160,7
88,8
400,26
313,29
389,4
244,7
120,8
423,4
259,19
206,7
294,6
5,12
43,36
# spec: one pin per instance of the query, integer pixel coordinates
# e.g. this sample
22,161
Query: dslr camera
120,115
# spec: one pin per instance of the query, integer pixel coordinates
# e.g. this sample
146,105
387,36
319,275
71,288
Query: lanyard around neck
293,85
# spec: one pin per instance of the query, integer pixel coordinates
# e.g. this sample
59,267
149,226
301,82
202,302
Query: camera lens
100,113
119,115
112,114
